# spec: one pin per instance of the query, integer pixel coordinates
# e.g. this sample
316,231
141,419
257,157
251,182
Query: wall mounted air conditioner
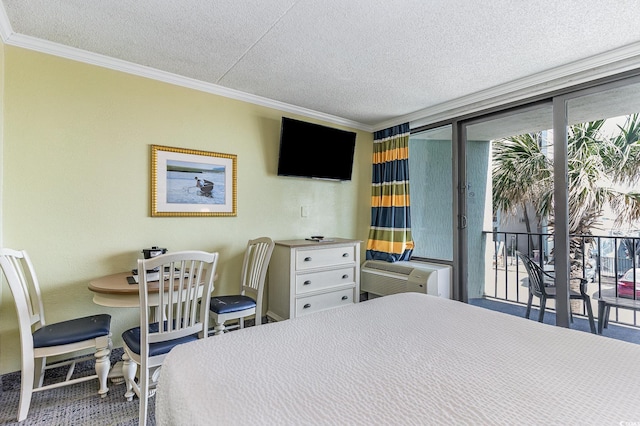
383,278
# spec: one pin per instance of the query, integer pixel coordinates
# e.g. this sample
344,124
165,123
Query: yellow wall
76,170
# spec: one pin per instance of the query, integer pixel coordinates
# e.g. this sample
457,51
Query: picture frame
192,183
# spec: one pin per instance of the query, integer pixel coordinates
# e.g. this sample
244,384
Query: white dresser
307,276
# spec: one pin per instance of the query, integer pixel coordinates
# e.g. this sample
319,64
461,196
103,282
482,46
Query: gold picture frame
192,183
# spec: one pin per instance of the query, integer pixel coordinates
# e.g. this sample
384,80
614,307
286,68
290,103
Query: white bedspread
402,359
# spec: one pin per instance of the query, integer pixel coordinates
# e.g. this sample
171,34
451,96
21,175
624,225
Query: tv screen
315,151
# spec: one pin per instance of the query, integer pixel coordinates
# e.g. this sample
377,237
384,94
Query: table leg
601,315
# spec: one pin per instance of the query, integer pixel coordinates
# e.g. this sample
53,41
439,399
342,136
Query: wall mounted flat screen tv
314,151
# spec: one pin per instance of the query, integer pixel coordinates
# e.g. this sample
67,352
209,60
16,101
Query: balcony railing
601,260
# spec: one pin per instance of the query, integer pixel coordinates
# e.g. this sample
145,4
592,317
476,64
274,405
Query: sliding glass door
498,160
557,181
601,231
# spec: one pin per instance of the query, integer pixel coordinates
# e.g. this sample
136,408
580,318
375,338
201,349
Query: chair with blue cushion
39,340
254,272
176,315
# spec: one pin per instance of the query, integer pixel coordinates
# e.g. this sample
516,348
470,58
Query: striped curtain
390,234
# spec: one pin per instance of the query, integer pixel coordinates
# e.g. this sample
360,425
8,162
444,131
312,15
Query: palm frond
522,173
627,144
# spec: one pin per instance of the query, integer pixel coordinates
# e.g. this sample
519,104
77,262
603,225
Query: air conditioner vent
383,278
388,266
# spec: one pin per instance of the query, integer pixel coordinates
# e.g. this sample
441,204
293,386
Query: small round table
115,291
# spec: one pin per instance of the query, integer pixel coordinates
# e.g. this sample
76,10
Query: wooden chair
167,318
538,286
254,272
39,340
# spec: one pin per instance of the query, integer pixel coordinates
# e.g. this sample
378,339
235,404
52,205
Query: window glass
430,180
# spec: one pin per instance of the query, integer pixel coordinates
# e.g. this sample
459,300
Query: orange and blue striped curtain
390,233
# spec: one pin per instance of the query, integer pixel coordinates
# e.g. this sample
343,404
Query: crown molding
79,55
625,58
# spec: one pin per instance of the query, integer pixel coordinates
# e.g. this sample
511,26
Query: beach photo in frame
187,182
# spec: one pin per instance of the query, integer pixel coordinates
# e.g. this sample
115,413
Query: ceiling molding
616,61
43,46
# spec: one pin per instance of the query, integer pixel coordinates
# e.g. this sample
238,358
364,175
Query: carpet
614,331
77,404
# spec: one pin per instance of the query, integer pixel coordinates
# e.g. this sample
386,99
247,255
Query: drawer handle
307,282
345,276
345,254
345,297
306,306
307,259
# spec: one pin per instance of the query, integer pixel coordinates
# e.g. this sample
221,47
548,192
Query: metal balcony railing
602,260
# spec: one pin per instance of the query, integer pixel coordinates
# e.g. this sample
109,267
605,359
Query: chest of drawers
307,277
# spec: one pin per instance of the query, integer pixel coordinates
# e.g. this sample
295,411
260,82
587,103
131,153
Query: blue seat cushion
72,331
131,338
227,304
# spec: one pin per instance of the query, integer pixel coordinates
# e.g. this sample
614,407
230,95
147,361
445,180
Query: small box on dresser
309,276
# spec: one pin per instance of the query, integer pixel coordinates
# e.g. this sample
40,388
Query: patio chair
539,285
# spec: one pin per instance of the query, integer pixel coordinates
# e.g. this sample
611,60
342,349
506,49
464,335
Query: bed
402,359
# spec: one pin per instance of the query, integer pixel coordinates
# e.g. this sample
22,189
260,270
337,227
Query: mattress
407,359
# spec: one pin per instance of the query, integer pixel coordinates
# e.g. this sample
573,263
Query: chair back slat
255,264
185,281
536,275
190,310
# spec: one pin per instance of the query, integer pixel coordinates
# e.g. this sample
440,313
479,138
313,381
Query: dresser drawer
318,258
313,281
320,302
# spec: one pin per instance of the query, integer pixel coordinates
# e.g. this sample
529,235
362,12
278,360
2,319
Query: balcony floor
614,331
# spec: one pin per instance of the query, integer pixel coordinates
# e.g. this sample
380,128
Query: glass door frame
559,100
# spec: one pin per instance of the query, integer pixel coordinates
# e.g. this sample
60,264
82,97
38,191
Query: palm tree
598,166
625,157
521,174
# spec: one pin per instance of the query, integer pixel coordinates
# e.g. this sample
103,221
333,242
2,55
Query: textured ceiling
365,61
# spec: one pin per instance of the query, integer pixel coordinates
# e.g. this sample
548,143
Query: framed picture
187,182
